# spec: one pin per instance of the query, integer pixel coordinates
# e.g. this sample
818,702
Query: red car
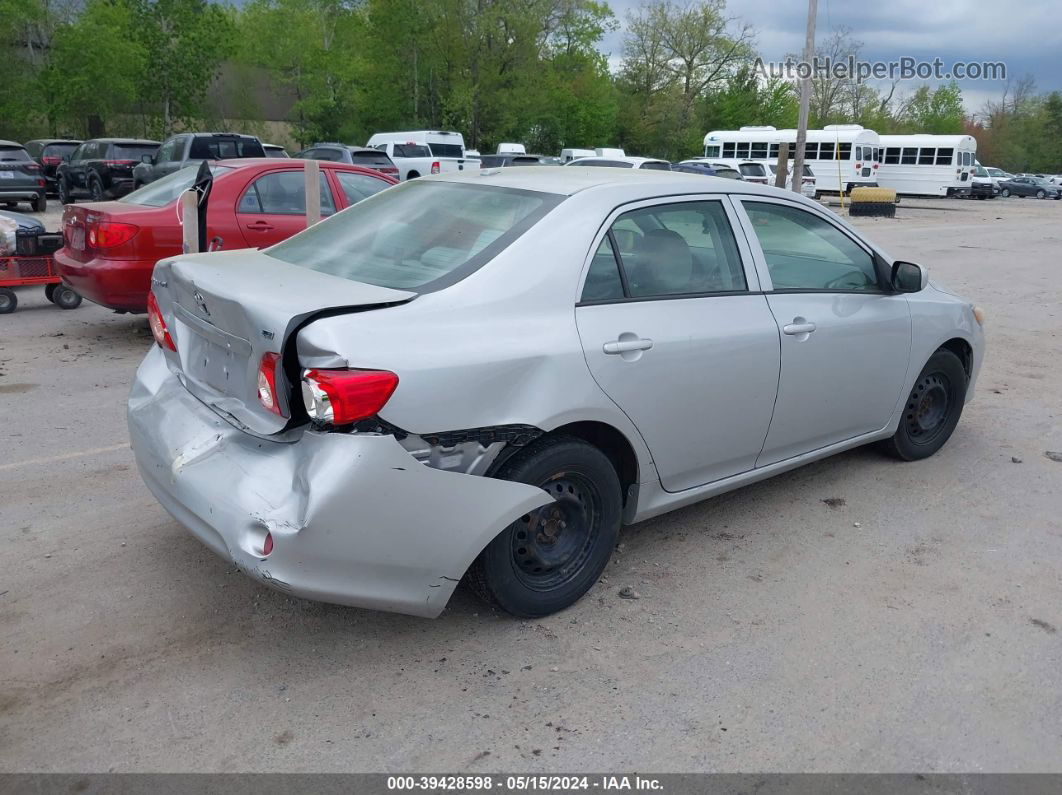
110,248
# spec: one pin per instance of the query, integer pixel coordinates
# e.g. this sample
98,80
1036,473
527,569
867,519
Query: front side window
711,151
419,234
805,252
168,151
283,193
686,248
133,151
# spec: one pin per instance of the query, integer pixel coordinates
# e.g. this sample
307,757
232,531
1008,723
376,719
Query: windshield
446,150
417,234
163,191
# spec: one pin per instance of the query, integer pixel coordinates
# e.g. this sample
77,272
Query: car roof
290,162
55,141
638,183
11,143
121,141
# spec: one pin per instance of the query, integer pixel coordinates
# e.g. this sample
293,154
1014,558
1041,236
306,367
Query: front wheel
65,298
40,204
548,558
8,301
932,410
1041,194
62,190
1005,193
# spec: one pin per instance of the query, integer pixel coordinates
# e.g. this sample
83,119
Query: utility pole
805,100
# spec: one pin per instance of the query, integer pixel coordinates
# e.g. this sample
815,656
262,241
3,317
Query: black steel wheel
932,409
8,301
65,298
548,558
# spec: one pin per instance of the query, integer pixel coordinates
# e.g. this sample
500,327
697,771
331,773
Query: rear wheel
932,410
1041,193
96,189
548,558
1005,193
8,301
65,298
40,204
62,190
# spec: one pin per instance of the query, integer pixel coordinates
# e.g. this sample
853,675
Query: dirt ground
859,614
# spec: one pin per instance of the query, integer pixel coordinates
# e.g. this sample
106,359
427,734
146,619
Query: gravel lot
859,614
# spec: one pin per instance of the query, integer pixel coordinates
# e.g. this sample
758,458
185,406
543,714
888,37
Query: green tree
938,111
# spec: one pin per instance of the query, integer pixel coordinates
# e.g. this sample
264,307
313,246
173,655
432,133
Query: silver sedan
483,376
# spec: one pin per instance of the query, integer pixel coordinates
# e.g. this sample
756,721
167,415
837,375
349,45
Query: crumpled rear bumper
354,518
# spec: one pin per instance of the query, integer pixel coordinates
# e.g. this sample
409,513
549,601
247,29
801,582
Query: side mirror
907,277
147,159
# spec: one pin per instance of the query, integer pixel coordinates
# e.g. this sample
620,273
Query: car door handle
260,226
626,346
798,326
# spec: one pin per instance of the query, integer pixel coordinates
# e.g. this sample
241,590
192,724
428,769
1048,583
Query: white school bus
928,165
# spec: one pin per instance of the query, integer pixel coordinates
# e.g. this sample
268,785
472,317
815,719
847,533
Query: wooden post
783,165
805,98
313,192
189,204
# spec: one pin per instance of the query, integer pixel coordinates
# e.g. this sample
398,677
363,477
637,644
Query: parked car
982,186
447,146
997,174
622,161
101,168
272,150
354,155
180,150
110,248
21,178
482,379
510,160
707,169
49,153
808,185
411,159
1029,186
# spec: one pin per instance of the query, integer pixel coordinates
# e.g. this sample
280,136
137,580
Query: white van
606,152
568,155
511,149
445,146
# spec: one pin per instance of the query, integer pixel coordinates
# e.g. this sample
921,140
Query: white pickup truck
423,152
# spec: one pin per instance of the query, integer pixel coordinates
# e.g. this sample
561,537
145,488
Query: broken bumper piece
354,518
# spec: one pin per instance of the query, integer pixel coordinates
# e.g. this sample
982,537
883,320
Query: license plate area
212,356
7,174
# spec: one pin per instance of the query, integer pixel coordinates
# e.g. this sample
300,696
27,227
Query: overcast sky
1024,34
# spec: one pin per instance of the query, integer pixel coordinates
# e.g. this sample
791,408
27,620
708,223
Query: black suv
49,153
355,155
21,180
179,151
101,168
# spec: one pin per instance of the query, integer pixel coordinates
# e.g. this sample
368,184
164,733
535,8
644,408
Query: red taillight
435,167
108,234
41,183
876,165
158,325
267,383
118,162
51,161
267,545
340,397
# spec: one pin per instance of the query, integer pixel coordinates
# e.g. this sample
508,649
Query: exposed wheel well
412,175
962,349
612,443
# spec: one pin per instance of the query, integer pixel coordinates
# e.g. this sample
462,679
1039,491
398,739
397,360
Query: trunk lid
156,227
226,310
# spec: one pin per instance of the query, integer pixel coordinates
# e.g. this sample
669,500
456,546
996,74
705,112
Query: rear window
604,163
419,234
13,153
411,150
726,173
58,150
165,190
657,165
222,148
447,150
133,151
752,170
370,159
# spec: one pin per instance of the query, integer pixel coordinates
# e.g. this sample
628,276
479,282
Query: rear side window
359,186
418,234
685,248
283,193
222,148
133,151
603,281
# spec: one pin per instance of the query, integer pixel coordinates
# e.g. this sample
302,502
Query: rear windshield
13,153
657,165
370,158
752,169
222,148
411,150
447,150
726,173
165,190
58,150
418,234
133,151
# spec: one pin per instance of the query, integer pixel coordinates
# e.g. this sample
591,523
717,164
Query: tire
932,410
1005,193
534,575
879,209
65,298
40,204
8,301
95,189
1040,194
62,190
49,292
